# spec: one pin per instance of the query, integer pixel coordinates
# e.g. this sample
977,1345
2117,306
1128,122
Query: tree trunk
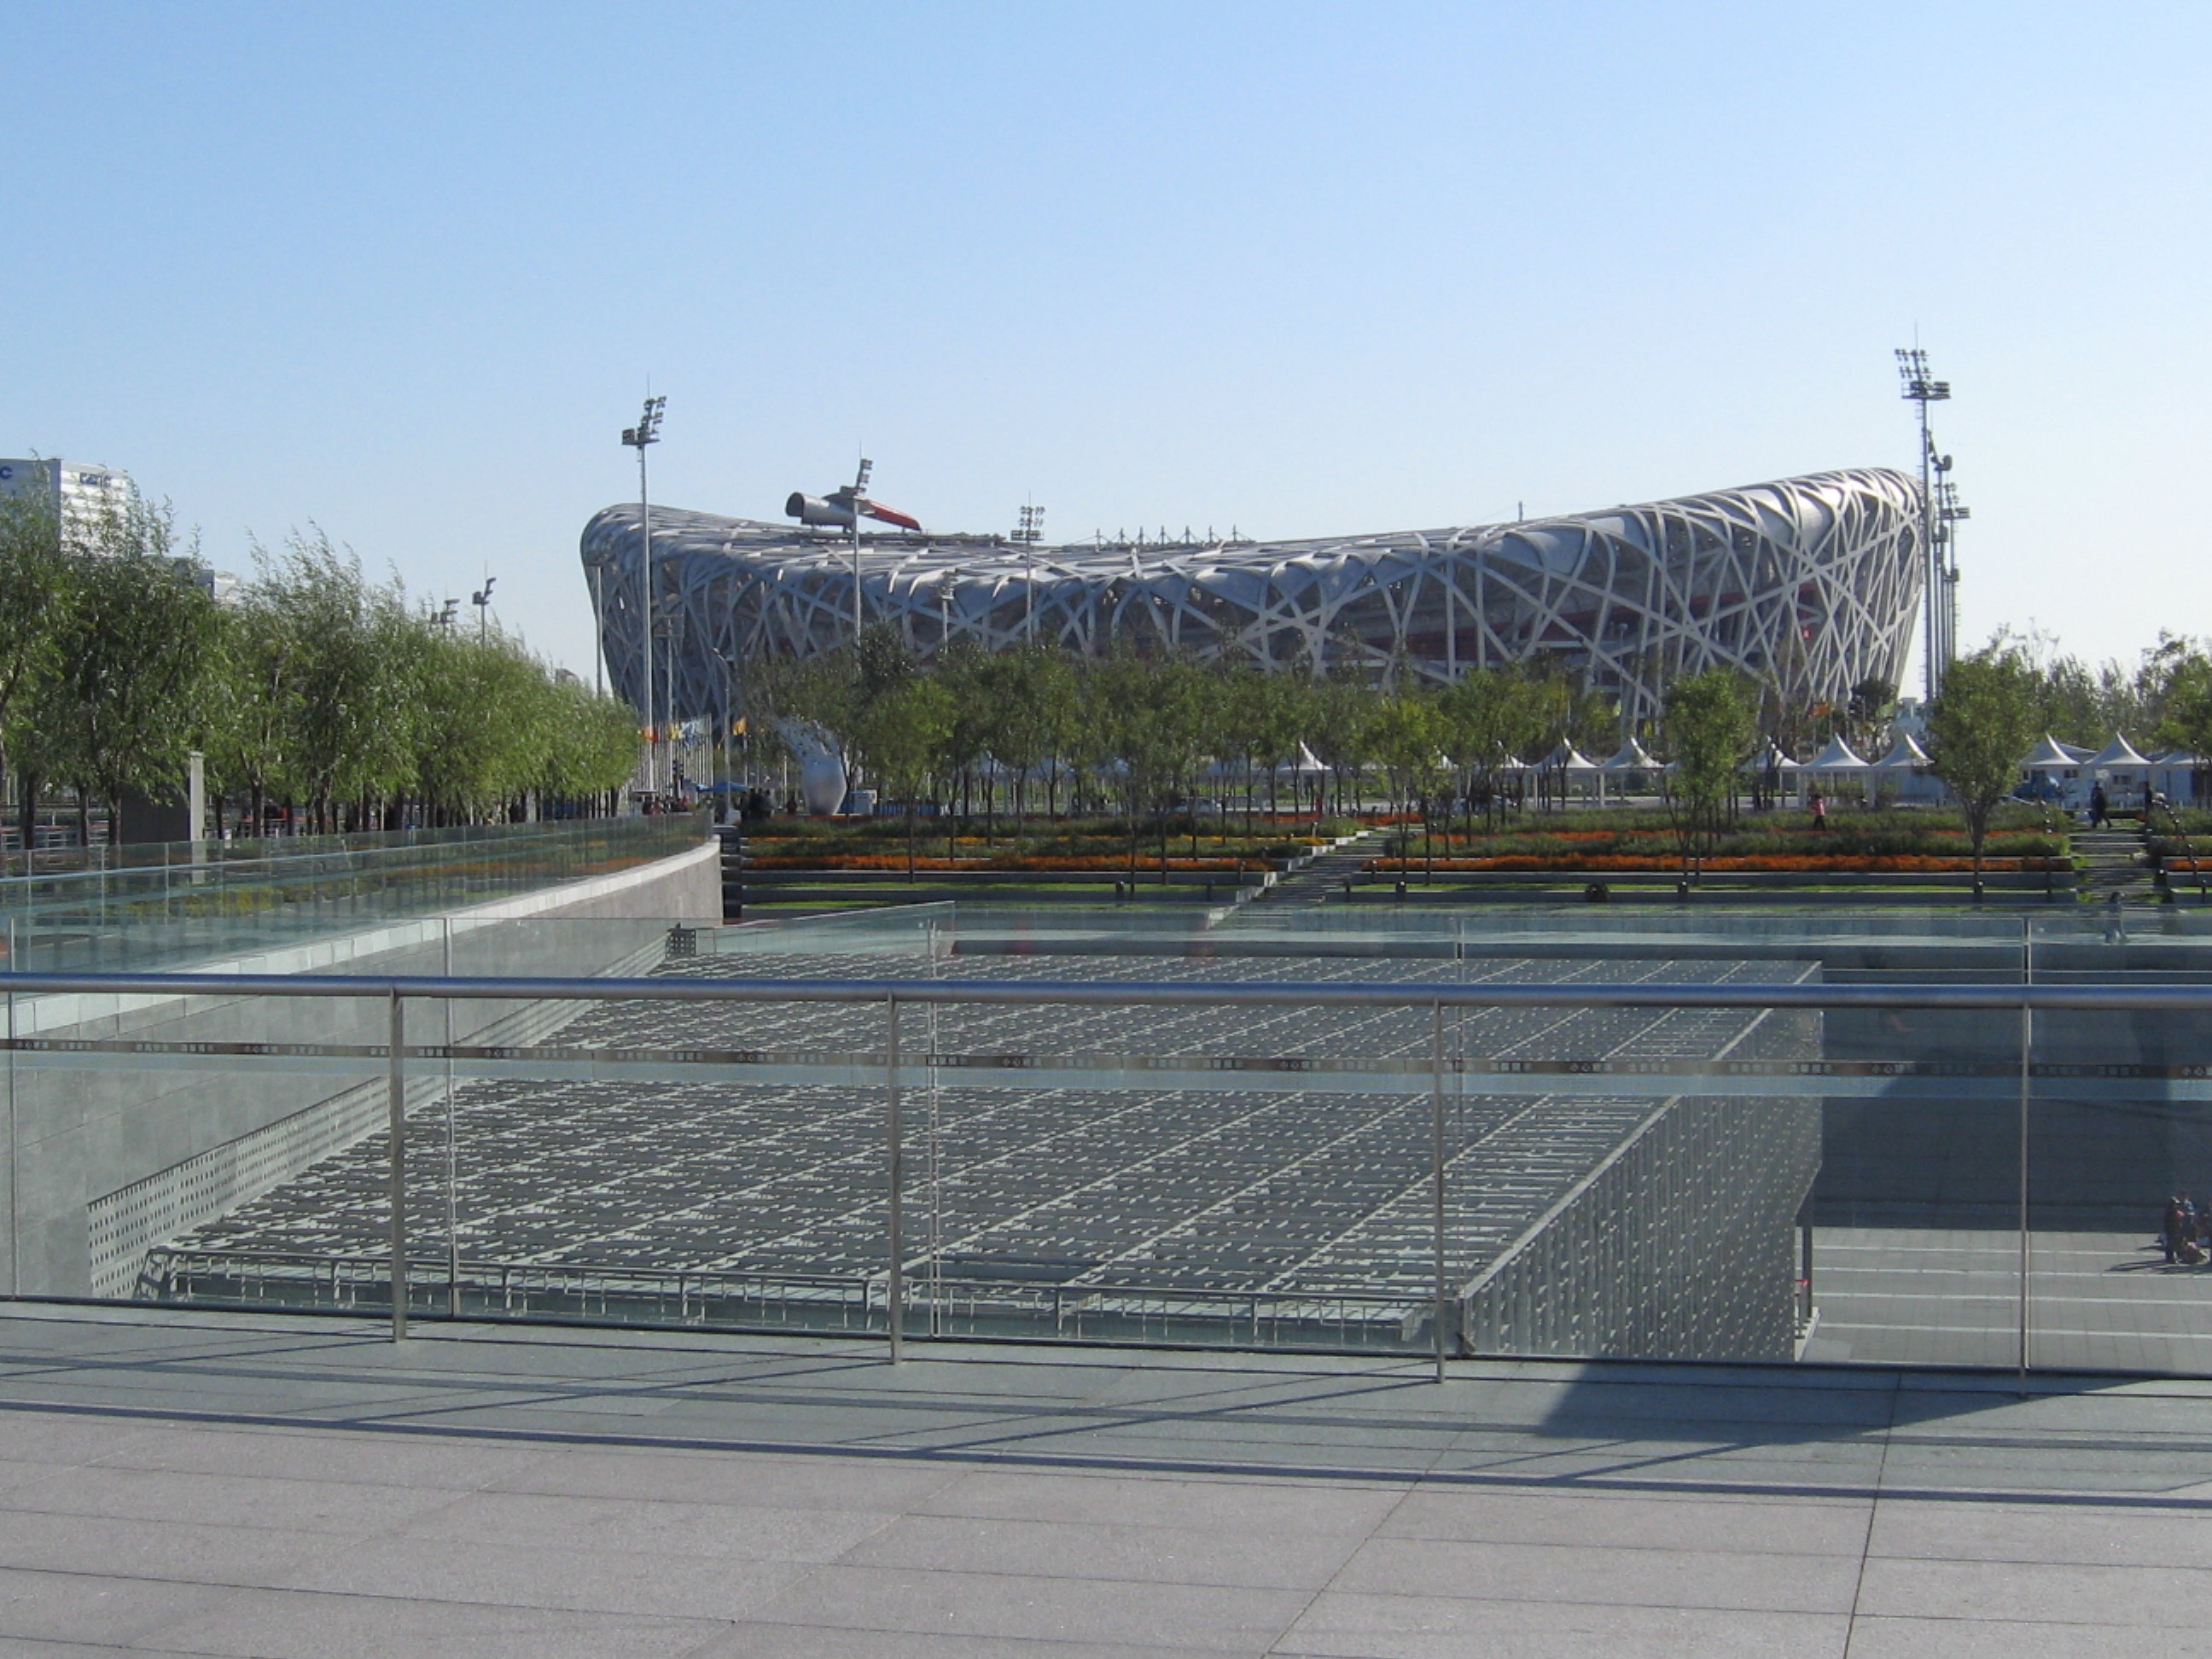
28,784
1131,794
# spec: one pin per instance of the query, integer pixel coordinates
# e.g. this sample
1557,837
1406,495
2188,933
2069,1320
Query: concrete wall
131,1118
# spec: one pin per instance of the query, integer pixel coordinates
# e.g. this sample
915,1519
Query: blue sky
404,271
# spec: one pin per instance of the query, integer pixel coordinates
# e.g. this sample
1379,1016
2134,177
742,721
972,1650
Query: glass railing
932,1124
216,903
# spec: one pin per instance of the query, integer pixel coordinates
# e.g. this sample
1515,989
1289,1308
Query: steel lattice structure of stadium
1810,585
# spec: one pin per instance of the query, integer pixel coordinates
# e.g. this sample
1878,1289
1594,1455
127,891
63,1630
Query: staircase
2114,862
1324,878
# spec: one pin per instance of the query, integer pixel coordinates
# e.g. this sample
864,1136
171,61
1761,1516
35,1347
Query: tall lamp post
1920,387
672,641
1030,533
482,599
645,432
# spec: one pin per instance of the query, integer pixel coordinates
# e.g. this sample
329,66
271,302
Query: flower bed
1038,864
1803,864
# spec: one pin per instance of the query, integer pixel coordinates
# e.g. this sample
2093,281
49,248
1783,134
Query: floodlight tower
482,599
1918,387
1030,533
645,432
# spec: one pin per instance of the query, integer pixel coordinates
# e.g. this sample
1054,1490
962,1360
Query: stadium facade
1810,585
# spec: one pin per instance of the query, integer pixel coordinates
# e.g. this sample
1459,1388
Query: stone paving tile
1878,1637
320,1454
1105,1499
225,1499
2037,1592
656,1581
273,1624
1640,1577
1212,1617
2058,1532
51,1437
1633,1520
17,1647
186,1550
749,1478
1347,1625
750,1640
86,1607
1137,1554
730,1531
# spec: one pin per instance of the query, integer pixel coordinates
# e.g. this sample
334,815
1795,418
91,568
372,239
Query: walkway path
173,1483
1324,878
2114,861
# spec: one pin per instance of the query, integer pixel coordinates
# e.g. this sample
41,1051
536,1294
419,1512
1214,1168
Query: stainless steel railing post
895,1283
2027,1045
1437,1170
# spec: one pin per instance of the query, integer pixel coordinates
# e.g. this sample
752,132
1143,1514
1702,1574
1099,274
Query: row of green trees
1141,733
1995,703
313,687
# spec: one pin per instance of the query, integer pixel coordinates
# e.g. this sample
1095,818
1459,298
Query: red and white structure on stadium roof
1808,583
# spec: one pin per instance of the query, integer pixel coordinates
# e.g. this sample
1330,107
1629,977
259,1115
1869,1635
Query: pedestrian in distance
2173,1228
2100,807
1819,803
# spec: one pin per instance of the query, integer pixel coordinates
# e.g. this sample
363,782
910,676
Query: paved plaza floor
2100,1301
191,1483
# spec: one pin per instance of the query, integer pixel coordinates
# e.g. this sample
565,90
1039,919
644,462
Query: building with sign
77,495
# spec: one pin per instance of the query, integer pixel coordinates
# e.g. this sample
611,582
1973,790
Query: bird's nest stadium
1808,584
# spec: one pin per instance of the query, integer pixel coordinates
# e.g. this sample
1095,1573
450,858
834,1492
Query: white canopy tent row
2065,773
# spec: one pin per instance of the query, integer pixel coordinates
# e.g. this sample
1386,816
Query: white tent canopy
1771,759
1904,755
1306,766
1835,757
1631,756
1568,758
2050,755
2119,752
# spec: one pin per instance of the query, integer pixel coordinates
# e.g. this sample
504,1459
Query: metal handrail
1128,994
893,995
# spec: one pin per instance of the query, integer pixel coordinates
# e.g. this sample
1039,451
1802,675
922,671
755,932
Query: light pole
647,431
859,501
1030,533
1918,387
671,640
482,599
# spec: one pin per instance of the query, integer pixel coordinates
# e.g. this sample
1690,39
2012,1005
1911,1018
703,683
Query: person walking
2173,1228
2100,807
1819,804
